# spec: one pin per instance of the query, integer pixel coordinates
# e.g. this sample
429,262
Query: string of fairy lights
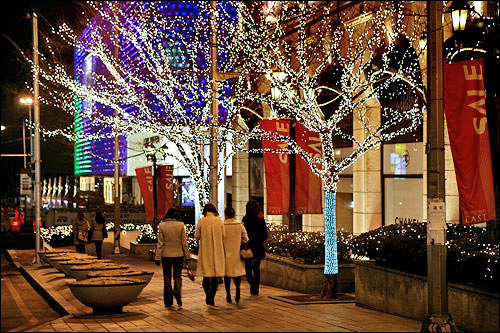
160,83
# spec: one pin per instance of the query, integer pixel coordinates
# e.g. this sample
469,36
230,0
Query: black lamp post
151,152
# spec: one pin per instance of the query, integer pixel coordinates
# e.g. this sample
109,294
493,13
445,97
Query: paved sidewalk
148,314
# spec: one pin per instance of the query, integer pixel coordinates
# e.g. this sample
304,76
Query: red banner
464,104
165,189
276,168
308,186
165,194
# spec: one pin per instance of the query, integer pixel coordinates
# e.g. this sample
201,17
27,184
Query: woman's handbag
104,231
245,251
190,273
84,235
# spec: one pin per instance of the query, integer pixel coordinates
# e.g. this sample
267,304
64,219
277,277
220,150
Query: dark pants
252,269
227,285
168,264
98,248
210,288
80,248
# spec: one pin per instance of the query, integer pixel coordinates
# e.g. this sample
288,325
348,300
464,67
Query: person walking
235,268
81,228
211,259
256,228
99,232
172,250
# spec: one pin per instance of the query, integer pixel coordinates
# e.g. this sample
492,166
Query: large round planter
43,254
65,265
54,261
123,273
80,272
107,295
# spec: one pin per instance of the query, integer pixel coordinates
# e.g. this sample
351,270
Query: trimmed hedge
470,258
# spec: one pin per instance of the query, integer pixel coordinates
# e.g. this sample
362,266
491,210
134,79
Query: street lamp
459,13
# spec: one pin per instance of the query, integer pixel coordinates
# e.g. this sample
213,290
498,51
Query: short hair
229,212
172,214
80,216
210,208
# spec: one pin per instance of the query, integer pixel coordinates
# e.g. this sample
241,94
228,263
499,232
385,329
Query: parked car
85,199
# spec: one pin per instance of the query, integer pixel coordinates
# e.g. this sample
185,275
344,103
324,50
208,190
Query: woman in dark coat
257,233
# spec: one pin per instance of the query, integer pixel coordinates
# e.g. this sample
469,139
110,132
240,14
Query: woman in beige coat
172,250
235,267
211,260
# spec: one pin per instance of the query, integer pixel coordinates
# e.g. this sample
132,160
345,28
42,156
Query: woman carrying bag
99,233
257,233
236,234
172,252
81,228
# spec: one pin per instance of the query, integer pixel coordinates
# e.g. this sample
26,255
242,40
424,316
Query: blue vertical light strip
331,258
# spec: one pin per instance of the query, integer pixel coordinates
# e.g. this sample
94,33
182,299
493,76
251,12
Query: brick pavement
148,314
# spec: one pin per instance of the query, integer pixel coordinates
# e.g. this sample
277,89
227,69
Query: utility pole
214,156
116,196
37,138
437,287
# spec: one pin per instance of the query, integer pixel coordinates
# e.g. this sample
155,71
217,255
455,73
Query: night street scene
250,166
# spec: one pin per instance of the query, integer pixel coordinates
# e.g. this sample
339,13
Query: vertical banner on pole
165,190
308,186
276,167
145,179
465,110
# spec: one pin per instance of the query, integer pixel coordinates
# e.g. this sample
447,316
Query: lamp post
29,102
151,152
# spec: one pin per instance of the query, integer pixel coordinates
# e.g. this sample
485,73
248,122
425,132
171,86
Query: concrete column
240,183
367,187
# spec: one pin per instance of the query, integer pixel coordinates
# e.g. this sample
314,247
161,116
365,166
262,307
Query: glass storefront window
344,204
403,200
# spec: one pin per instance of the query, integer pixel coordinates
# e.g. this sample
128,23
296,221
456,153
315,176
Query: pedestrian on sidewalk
81,227
172,250
211,259
98,225
256,228
235,267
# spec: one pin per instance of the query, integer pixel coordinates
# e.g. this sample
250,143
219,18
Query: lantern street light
459,13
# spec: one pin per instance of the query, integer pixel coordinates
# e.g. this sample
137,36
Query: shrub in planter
470,259
306,247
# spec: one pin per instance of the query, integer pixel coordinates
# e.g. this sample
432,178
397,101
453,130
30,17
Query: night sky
56,154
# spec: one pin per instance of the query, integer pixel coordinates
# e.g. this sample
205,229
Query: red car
16,221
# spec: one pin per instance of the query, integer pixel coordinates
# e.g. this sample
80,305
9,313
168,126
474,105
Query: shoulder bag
245,251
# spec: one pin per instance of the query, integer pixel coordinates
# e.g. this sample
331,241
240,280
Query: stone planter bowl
107,294
123,273
65,265
80,272
54,261
43,254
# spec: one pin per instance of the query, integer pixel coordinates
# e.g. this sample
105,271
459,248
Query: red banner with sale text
465,110
165,193
277,169
308,186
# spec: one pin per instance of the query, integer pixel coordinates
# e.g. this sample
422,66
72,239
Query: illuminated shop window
403,183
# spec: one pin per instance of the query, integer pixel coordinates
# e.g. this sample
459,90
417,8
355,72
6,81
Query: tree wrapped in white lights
149,73
362,42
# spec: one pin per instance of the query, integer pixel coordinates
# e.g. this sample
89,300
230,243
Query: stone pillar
240,183
367,175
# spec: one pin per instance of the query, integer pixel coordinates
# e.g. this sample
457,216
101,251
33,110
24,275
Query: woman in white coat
211,260
235,267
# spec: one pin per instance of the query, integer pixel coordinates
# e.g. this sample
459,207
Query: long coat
97,234
235,234
210,233
79,225
257,234
172,240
